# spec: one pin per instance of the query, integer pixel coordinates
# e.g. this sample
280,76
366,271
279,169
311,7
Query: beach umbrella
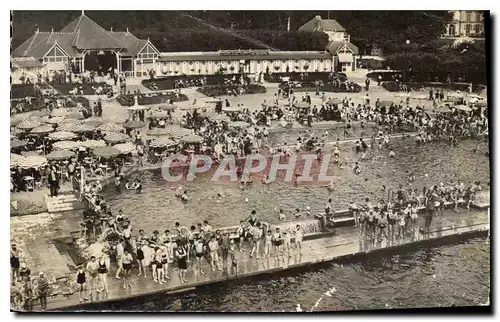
239,124
177,131
334,101
106,152
169,107
60,155
33,161
66,145
16,143
40,113
160,115
56,120
64,111
158,131
481,104
111,127
474,95
219,117
192,138
42,129
385,103
302,105
18,118
125,148
456,94
114,137
136,108
94,121
419,96
161,142
92,144
61,135
28,125
134,124
15,159
231,109
82,127
75,116
217,100
463,108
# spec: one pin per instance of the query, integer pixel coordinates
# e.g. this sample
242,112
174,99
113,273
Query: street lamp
406,59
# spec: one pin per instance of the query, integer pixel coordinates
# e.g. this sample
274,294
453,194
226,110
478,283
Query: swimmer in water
281,215
392,154
330,187
184,196
356,169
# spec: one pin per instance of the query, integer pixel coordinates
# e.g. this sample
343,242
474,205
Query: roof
243,55
26,62
345,57
336,46
80,34
321,25
89,35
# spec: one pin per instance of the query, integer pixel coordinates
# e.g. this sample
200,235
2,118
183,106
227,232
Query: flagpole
288,25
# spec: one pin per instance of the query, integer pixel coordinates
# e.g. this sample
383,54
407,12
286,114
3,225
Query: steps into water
63,202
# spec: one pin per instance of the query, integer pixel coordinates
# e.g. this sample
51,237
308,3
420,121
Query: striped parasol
42,129
160,115
62,135
75,116
302,105
57,120
43,112
114,137
219,117
137,108
64,111
161,142
60,155
92,144
334,101
385,103
66,145
15,159
28,124
111,127
134,124
16,143
464,108
80,127
33,161
125,148
106,152
192,138
481,104
18,118
231,109
175,131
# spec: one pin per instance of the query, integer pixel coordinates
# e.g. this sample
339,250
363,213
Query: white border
197,5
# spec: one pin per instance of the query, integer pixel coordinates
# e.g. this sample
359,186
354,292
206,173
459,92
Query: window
468,17
477,29
451,30
467,29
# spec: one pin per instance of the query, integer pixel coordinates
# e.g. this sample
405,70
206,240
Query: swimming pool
158,208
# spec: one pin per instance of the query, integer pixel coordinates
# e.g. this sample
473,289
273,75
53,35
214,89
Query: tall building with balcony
465,24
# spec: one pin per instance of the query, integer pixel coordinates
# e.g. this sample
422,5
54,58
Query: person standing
53,181
43,290
81,281
127,265
224,246
213,246
298,239
257,235
119,255
181,254
102,270
14,263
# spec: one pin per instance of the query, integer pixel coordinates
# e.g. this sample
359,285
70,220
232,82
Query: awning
345,58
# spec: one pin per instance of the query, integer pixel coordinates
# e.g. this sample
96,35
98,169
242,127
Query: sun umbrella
42,129
162,141
169,107
192,138
114,137
455,94
239,124
94,121
158,131
61,135
43,112
160,115
177,131
106,152
66,145
217,100
60,155
402,94
64,111
28,124
33,161
134,124
231,109
125,148
18,118
419,96
16,143
137,108
302,105
75,116
219,117
15,159
111,127
474,95
463,108
56,120
93,144
82,127
334,101
481,104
